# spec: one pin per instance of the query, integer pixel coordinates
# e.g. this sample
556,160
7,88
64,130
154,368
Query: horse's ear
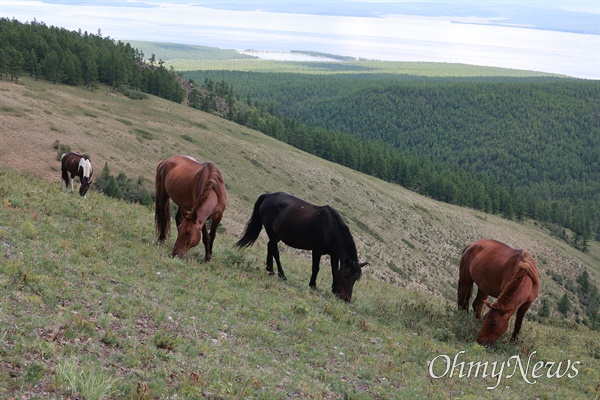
487,303
362,264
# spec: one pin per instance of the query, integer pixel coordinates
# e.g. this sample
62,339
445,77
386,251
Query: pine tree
544,311
564,305
584,282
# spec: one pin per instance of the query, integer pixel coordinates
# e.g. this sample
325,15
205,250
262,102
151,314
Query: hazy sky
426,30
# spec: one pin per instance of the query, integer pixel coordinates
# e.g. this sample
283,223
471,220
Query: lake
388,37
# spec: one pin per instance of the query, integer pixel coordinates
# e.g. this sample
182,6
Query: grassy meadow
91,308
417,68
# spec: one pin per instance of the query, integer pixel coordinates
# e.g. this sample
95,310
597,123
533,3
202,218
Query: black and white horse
75,164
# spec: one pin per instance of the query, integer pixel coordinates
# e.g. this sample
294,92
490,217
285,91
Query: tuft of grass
124,121
367,229
87,381
188,138
142,134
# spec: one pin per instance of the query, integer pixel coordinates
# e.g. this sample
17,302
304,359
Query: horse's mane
346,241
525,267
210,179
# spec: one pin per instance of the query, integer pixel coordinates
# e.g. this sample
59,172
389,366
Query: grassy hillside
92,308
88,298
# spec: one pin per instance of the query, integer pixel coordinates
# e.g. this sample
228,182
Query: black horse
75,164
308,227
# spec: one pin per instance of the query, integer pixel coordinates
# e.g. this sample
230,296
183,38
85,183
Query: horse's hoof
283,277
270,272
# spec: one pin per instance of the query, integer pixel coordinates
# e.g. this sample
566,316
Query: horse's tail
63,168
162,207
465,283
253,227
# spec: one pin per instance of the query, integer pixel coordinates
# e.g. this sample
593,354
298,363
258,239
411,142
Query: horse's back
292,220
178,166
70,162
178,177
490,264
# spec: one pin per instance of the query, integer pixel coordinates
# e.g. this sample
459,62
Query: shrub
62,149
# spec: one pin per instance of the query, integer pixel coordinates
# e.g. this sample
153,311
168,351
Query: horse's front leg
335,267
316,259
214,224
519,320
178,217
206,240
478,303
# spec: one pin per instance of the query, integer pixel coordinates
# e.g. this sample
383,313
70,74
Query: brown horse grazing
199,192
500,271
308,227
74,164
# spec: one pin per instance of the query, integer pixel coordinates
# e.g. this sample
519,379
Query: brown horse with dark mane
74,164
500,271
308,227
199,192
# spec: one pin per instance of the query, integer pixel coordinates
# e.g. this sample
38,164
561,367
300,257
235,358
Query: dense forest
80,58
521,147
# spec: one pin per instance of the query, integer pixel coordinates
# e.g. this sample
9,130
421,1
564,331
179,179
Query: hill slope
90,303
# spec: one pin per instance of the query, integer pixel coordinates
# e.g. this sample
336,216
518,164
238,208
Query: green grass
92,307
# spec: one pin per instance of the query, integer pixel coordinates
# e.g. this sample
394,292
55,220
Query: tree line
81,58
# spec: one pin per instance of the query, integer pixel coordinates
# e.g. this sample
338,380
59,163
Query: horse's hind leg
478,303
270,257
163,216
465,286
65,178
273,252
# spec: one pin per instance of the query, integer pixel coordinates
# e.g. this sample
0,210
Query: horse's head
189,233
85,186
495,323
350,271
